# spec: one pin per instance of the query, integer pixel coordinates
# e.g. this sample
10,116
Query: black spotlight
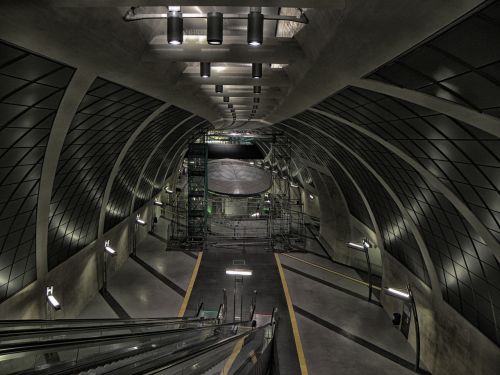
175,34
218,89
226,99
214,28
255,28
256,70
255,106
229,105
256,100
205,69
256,90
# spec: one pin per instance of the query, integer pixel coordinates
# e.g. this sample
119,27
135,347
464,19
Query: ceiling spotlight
256,70
226,99
255,106
256,100
214,28
255,28
205,69
229,105
256,90
175,33
218,88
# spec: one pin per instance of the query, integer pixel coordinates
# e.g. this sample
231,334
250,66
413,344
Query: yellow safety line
291,312
232,357
190,286
332,271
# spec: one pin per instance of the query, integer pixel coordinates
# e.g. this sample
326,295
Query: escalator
193,345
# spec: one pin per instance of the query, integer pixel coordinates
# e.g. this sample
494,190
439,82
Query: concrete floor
151,286
339,328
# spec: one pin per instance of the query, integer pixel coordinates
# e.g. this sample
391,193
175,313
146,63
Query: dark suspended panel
148,186
31,89
464,158
176,151
461,65
105,120
234,151
465,266
123,190
398,239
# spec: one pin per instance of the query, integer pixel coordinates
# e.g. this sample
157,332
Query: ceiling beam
332,4
286,51
277,79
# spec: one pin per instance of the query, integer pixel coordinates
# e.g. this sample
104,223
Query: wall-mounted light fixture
204,69
109,249
169,190
51,299
158,203
215,28
293,184
139,221
407,296
175,32
311,197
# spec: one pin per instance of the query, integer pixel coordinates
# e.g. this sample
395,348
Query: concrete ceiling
316,61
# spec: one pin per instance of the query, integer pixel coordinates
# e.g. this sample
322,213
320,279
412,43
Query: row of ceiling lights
215,29
205,70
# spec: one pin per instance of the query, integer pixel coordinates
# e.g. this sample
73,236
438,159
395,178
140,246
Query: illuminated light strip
240,272
53,301
357,246
293,319
110,250
399,293
182,310
331,271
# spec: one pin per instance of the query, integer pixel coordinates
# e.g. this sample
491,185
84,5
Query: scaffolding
197,192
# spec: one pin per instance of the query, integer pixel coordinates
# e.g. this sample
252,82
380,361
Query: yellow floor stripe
332,271
232,357
295,327
190,286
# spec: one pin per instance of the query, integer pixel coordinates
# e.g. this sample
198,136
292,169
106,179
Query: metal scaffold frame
197,156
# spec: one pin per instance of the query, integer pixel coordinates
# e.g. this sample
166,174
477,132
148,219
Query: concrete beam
118,162
76,90
474,118
278,79
275,50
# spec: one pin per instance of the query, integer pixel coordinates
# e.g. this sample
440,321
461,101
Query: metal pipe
131,15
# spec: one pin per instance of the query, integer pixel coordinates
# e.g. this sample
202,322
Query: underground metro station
282,187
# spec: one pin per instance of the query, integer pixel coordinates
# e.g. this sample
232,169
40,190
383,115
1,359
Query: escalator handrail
153,367
53,330
70,343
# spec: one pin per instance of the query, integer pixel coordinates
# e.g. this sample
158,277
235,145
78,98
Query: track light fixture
257,70
219,89
255,106
204,69
214,28
175,33
229,105
256,100
256,89
255,28
226,99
